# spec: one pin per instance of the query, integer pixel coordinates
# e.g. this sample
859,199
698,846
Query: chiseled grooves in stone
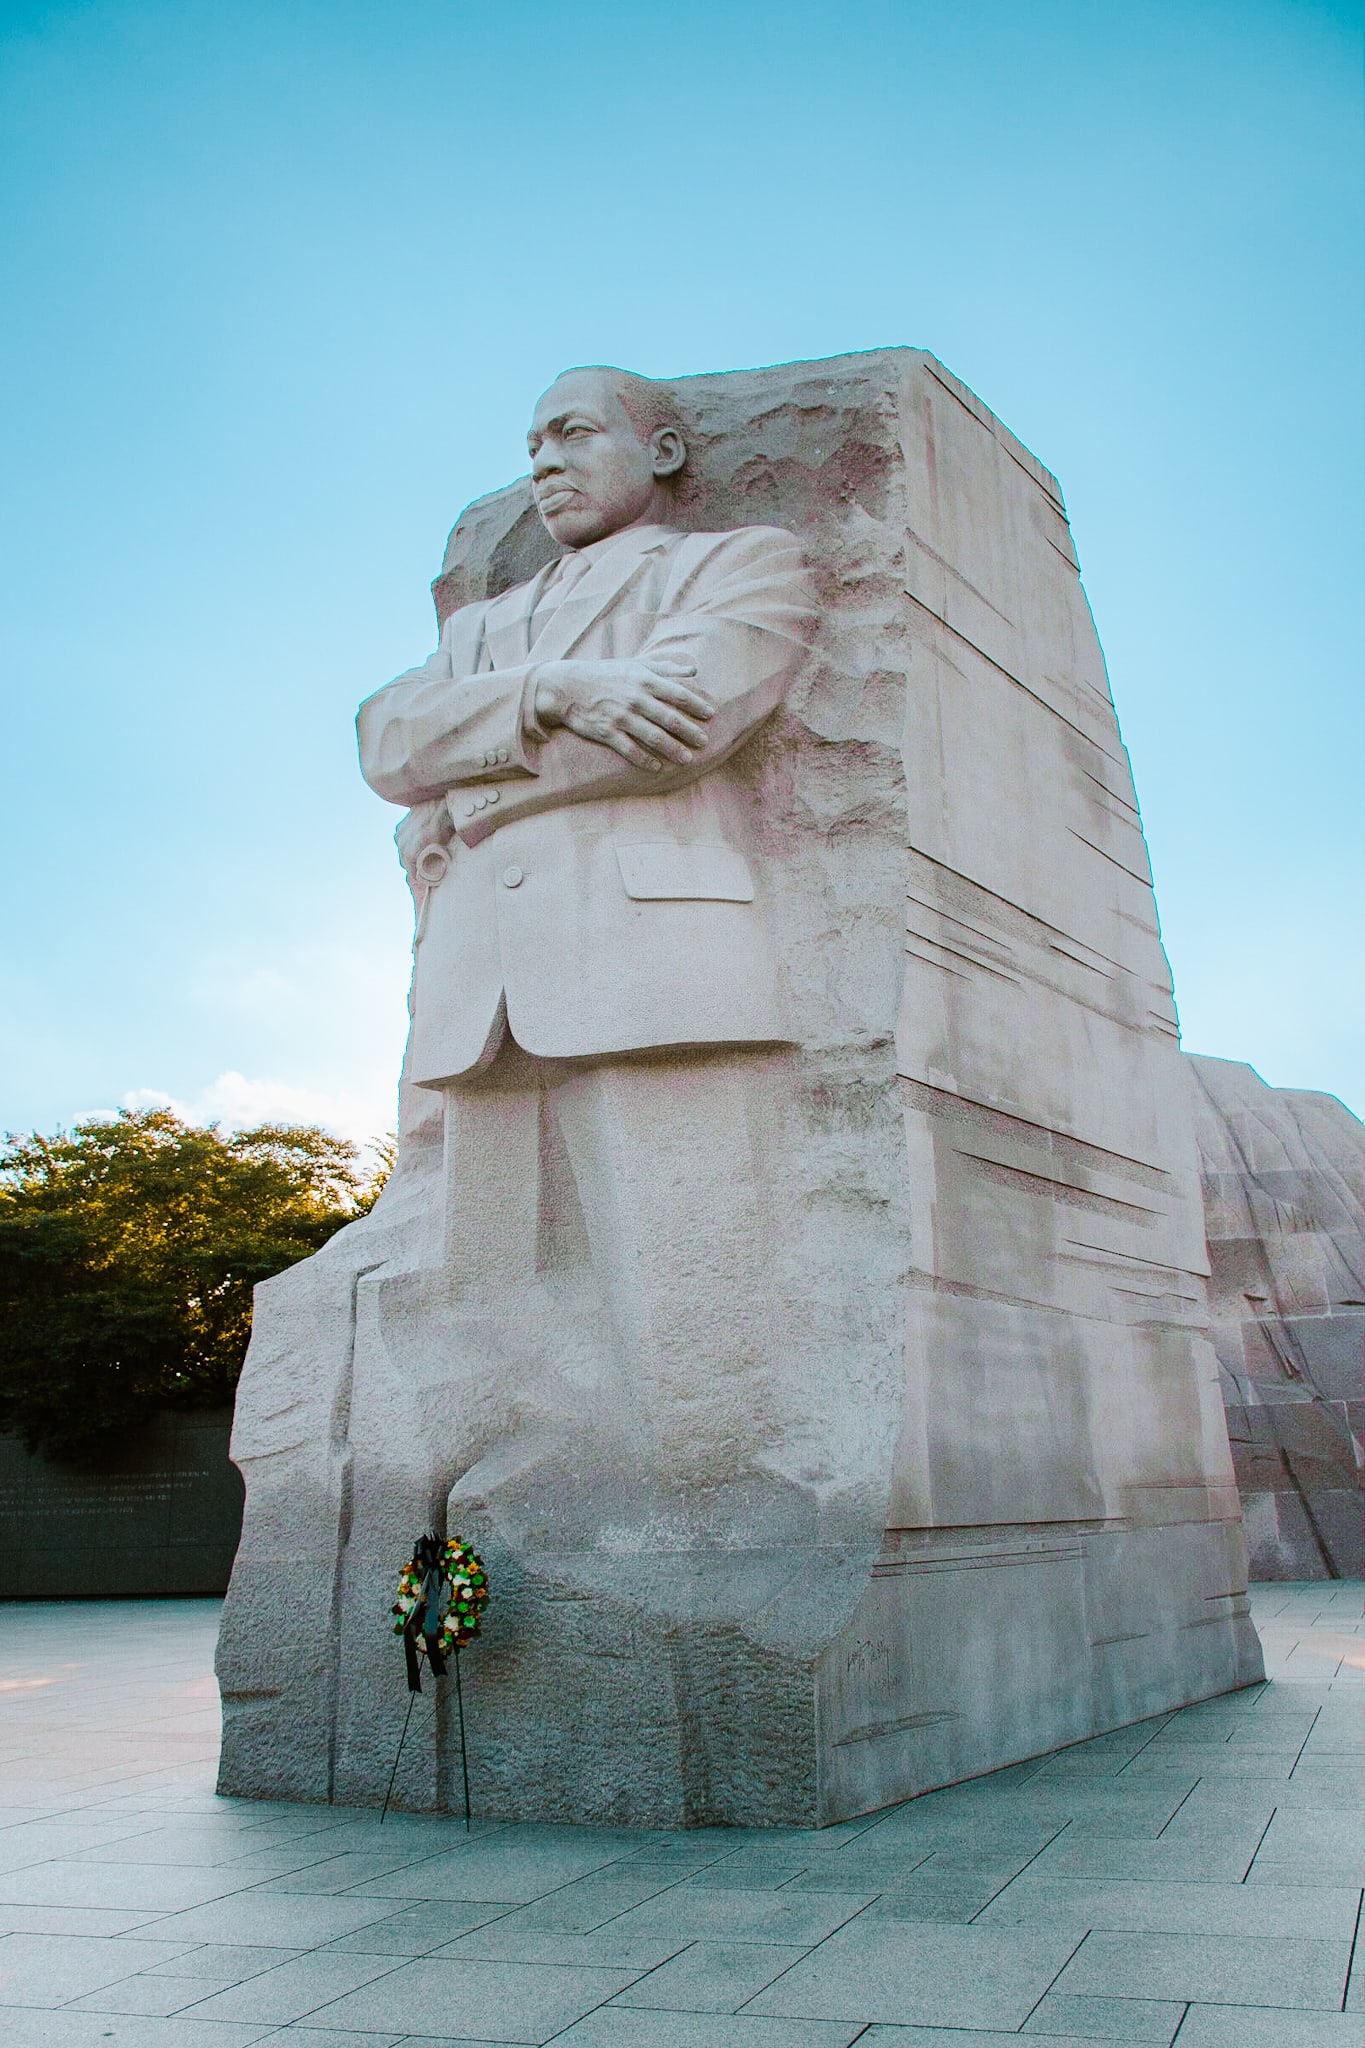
1284,1199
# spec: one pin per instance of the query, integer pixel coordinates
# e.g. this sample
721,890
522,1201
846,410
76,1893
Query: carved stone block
939,1478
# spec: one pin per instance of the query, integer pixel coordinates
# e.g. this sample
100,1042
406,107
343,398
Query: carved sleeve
739,607
431,730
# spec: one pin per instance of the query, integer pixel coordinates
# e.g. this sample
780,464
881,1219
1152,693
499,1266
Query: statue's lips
556,500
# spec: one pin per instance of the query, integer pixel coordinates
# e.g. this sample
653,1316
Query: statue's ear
668,449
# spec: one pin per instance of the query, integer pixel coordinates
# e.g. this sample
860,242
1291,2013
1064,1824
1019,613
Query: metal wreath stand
421,1628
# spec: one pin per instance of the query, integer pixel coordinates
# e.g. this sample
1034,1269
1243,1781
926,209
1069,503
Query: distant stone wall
161,1514
1284,1203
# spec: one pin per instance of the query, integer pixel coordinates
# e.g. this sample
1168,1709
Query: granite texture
971,1495
1284,1198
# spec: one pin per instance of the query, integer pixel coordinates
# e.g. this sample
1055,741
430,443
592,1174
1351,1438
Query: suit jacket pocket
655,869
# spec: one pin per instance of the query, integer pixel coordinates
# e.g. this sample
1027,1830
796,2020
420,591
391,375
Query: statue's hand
651,716
425,825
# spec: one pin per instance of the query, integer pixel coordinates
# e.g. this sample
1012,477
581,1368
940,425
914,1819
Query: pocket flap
657,868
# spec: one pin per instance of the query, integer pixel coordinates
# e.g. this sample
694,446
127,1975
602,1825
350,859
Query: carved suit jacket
592,906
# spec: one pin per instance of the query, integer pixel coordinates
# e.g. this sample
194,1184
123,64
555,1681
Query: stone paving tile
614,2027
259,1922
154,1997
1241,2026
803,1841
1317,1841
330,1875
1217,1760
1221,1969
592,1846
941,1818
135,1887
40,1841
678,1857
689,1914
418,1930
1174,1908
711,1976
1355,1989
517,1873
865,1874
959,2037
1332,1785
509,1941
51,1969
239,1857
305,2036
496,2001
1208,1857
68,2029
932,1976
935,1894
1329,1792
1146,2020
748,1873
296,1988
1045,1806
213,1968
579,1908
72,1920
1308,1876
1216,1812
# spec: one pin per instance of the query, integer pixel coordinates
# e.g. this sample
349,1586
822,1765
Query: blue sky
283,281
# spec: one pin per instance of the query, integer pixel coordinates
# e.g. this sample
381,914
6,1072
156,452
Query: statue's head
605,446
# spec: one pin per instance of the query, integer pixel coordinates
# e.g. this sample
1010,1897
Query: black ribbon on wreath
422,1629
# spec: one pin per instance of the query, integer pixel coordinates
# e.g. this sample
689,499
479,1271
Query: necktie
569,571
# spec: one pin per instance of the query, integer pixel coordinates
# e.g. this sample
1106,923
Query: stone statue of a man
592,894
564,754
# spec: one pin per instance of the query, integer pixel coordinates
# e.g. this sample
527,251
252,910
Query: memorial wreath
445,1620
441,1599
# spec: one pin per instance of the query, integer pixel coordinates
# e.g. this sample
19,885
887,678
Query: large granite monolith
799,1296
1284,1199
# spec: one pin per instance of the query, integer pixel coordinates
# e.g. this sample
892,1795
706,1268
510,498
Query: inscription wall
161,1514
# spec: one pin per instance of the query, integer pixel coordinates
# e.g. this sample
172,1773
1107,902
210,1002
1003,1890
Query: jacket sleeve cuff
533,733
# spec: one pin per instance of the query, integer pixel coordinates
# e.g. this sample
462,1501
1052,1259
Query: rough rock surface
1284,1203
1018,1523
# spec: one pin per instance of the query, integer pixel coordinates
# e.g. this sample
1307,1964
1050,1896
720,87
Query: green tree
128,1251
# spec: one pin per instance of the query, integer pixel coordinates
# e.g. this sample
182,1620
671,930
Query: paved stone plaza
1195,1879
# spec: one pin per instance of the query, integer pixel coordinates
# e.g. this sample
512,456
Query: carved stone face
591,473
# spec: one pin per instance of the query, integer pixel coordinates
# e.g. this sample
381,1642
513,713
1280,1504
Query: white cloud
239,1103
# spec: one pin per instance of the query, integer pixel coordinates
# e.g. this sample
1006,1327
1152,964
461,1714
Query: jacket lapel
506,622
604,585
463,637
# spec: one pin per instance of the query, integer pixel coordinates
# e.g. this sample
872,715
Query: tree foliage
128,1251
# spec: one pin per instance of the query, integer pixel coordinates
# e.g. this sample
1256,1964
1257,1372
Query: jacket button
493,796
512,877
470,809
502,754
